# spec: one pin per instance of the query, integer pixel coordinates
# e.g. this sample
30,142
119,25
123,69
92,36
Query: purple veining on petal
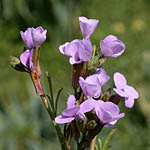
111,46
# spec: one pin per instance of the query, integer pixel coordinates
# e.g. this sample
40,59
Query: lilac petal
87,26
27,37
72,51
39,35
62,47
117,117
61,119
129,102
131,91
105,50
111,46
109,106
87,105
71,111
110,38
71,101
102,76
24,57
118,48
93,79
104,116
89,89
111,124
86,52
121,92
120,81
80,115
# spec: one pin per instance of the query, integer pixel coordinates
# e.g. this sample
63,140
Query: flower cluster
92,100
91,107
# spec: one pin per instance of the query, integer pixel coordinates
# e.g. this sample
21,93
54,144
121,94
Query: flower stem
92,146
62,140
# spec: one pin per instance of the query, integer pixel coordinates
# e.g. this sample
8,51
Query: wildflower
92,85
78,51
124,90
107,112
87,26
34,36
111,46
74,111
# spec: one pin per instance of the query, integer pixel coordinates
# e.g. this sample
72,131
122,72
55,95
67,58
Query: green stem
62,140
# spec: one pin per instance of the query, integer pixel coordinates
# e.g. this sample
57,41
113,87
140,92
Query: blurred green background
24,123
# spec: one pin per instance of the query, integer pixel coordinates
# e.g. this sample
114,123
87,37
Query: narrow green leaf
50,85
51,98
57,98
96,147
105,147
100,143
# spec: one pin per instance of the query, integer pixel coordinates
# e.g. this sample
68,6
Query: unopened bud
82,124
16,64
94,63
91,124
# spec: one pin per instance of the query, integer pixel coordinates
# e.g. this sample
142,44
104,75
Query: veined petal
120,92
105,50
26,59
132,92
111,46
39,35
120,81
129,102
61,119
71,101
87,26
71,111
87,105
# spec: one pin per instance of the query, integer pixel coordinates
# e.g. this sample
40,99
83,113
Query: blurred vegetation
24,124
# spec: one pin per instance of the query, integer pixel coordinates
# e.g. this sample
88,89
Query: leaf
51,98
105,147
57,98
50,85
100,143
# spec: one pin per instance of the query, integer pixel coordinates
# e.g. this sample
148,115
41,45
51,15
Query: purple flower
92,85
73,111
33,36
87,26
124,90
26,59
107,112
78,51
111,46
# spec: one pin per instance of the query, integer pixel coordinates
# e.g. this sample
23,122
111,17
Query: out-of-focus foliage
24,124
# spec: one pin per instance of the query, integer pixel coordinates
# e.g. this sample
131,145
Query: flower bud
16,64
91,124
